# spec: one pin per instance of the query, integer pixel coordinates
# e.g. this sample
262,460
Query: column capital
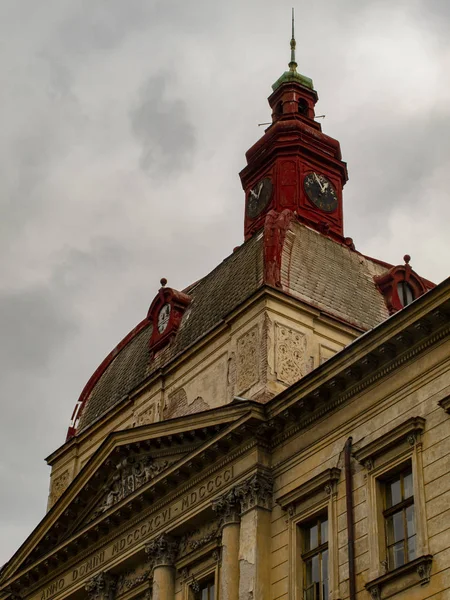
162,551
102,587
227,507
255,492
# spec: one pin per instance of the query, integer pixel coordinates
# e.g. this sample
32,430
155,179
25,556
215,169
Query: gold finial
293,64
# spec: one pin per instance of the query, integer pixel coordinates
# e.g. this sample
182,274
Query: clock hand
318,181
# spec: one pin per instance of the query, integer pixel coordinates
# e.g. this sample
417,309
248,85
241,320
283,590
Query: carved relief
131,579
101,587
247,363
255,492
196,539
149,415
60,484
227,507
162,551
132,473
290,347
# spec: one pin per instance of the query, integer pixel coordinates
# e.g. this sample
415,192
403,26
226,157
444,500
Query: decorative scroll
247,364
290,348
131,475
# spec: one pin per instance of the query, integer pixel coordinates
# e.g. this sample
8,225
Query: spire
292,75
293,64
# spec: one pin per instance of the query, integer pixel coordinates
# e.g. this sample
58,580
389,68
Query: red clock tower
294,165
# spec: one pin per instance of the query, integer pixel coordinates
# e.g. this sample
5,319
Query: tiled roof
332,277
314,269
213,298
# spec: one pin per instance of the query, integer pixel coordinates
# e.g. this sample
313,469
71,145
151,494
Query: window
315,558
399,519
205,590
303,107
405,293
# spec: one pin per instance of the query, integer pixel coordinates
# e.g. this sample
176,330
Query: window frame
318,550
394,451
316,497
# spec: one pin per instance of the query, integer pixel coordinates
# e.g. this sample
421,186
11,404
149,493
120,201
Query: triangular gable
110,481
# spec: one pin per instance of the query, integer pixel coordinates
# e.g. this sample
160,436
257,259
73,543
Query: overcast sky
124,126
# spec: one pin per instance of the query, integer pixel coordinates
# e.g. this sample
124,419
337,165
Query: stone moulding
414,572
409,430
323,481
445,404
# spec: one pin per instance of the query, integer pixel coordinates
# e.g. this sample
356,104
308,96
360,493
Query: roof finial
293,64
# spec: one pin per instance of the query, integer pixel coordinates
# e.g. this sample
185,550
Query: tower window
303,107
405,293
279,108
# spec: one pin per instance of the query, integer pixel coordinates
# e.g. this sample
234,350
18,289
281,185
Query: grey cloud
161,124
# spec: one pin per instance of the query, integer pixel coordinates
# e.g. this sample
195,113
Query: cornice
411,427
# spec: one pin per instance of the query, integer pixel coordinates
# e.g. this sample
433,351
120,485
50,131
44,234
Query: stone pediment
129,473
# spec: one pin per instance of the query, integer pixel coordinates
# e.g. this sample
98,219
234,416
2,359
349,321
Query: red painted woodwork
388,285
291,147
178,302
275,228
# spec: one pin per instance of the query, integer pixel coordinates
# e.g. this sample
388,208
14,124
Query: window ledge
392,582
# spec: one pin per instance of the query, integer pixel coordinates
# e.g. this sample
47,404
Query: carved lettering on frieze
248,359
60,484
101,587
132,473
255,492
290,348
162,551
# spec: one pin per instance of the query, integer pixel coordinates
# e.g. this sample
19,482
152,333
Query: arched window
303,107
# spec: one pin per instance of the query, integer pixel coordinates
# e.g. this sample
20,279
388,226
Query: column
162,553
227,507
255,496
101,587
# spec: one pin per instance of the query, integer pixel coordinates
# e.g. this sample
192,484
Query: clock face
259,197
321,192
163,317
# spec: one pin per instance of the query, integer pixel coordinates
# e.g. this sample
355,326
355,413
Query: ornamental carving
162,551
255,492
147,416
60,484
198,538
227,507
290,348
131,579
102,587
132,473
247,360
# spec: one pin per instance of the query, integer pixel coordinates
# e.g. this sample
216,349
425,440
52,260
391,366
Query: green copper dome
291,76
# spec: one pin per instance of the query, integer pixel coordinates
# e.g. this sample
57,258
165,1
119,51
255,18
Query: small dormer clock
165,315
321,192
163,318
259,197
